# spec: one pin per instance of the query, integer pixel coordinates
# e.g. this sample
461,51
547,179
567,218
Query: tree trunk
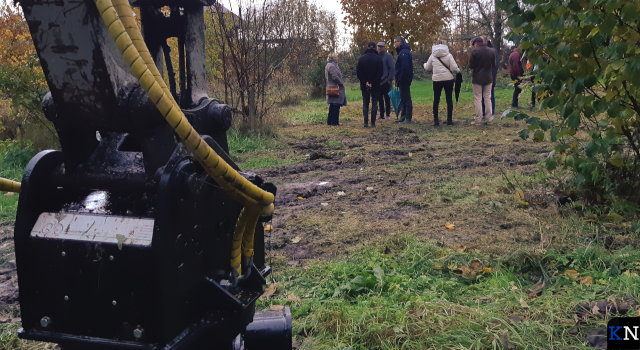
252,108
497,28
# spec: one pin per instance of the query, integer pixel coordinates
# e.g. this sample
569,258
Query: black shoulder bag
458,80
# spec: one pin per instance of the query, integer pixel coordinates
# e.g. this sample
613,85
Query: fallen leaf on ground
268,292
515,318
268,228
506,344
276,307
616,216
523,303
410,154
467,272
369,189
523,204
475,188
341,193
474,264
486,269
296,240
587,281
504,190
461,249
293,298
513,285
378,307
572,273
595,310
519,194
450,226
536,289
301,198
324,204
438,266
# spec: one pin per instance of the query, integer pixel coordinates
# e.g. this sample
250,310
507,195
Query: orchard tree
382,20
587,76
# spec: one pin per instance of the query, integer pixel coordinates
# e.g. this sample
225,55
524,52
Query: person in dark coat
482,62
333,77
404,77
516,71
495,76
388,73
369,71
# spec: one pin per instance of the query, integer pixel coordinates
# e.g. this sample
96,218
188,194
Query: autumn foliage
22,83
382,20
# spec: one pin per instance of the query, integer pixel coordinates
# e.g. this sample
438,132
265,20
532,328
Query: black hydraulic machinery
141,233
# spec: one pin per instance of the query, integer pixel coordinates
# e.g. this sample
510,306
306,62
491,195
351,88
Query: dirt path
405,180
9,307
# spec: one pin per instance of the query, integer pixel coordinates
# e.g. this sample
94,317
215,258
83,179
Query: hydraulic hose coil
118,18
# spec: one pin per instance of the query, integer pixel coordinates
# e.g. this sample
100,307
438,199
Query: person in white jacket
444,67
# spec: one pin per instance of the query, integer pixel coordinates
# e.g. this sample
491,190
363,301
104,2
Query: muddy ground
358,185
9,307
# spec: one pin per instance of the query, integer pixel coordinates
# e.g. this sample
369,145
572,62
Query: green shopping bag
394,95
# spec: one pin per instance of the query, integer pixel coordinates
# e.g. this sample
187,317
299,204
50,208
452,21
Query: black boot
436,122
409,115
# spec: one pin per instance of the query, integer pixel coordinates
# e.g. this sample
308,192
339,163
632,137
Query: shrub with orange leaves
22,81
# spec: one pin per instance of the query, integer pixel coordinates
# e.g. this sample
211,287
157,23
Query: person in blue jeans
495,75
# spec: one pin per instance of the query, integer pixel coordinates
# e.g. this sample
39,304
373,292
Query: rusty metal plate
95,228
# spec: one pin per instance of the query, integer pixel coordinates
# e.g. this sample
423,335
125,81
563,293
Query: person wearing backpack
443,65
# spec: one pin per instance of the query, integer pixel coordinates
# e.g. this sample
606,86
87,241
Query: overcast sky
334,6
331,5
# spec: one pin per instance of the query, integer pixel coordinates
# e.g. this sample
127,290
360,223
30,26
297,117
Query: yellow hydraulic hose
9,186
118,18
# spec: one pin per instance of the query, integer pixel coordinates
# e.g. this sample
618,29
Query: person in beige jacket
444,66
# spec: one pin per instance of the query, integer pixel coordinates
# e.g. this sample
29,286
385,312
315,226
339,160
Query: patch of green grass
310,117
9,202
314,111
266,161
333,143
413,295
244,143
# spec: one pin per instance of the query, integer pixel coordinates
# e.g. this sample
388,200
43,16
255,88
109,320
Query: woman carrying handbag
443,65
336,97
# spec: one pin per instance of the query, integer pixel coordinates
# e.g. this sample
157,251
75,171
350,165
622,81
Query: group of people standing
377,71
